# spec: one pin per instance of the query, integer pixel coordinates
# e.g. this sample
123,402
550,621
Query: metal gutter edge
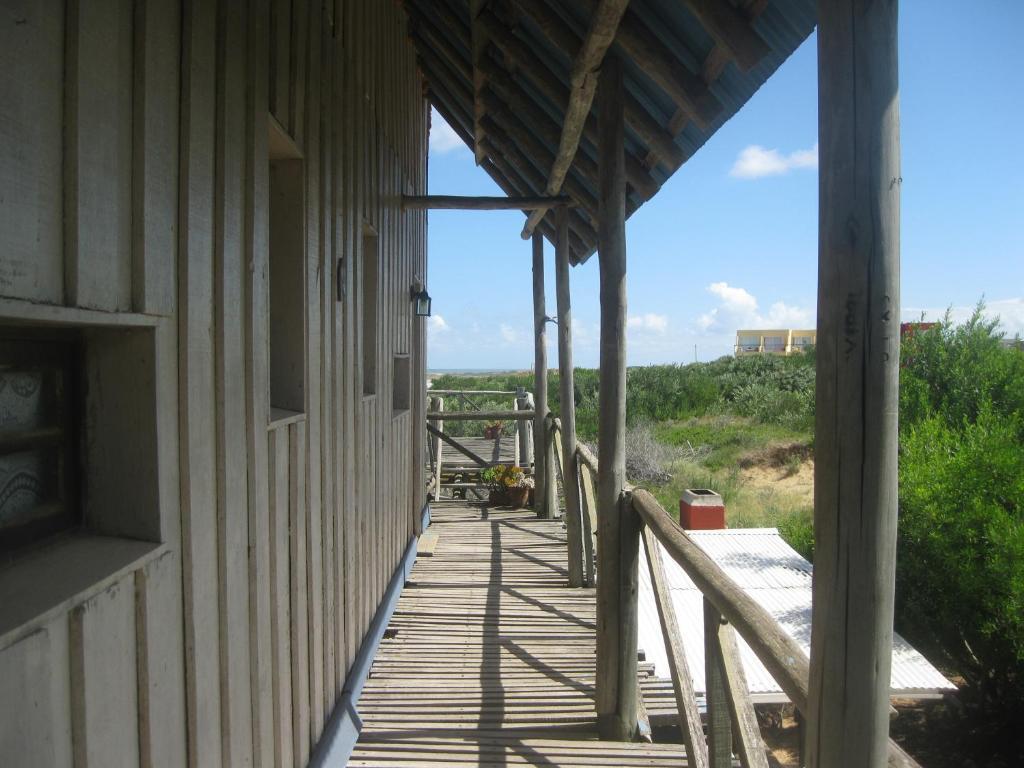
341,731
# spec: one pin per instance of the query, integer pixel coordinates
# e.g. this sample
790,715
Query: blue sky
731,240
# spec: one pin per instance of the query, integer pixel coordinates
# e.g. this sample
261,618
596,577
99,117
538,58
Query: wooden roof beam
686,88
510,168
731,30
438,70
540,122
640,121
502,180
533,177
526,141
481,203
582,85
432,37
478,46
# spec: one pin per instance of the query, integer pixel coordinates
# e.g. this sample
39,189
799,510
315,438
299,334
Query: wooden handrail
781,655
587,457
480,415
470,392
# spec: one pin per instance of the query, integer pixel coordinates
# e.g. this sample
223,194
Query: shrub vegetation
960,564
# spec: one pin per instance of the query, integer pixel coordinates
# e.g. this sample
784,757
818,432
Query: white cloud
443,138
738,308
755,162
648,322
437,324
509,334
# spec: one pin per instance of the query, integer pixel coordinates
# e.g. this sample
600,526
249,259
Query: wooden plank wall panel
257,395
98,154
35,720
306,94
104,688
280,59
232,481
31,151
302,737
232,646
281,666
157,48
162,738
196,386
348,238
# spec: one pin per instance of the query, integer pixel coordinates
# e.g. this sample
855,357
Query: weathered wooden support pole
618,529
570,473
719,724
437,406
679,670
855,488
544,494
588,505
523,430
582,85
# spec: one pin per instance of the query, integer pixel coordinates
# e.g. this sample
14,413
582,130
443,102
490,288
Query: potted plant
493,429
509,485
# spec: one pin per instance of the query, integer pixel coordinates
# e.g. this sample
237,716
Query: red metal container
701,509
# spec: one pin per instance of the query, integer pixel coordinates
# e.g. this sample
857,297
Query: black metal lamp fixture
420,299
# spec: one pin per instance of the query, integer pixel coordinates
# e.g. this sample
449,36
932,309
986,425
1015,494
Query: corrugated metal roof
779,579
441,31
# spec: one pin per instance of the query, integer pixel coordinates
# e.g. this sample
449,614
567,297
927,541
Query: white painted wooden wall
133,193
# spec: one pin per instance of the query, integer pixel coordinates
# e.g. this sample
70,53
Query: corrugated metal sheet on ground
779,579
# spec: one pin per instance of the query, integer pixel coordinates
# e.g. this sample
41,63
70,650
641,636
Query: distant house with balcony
773,342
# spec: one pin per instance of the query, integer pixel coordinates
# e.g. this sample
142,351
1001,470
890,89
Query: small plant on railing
509,485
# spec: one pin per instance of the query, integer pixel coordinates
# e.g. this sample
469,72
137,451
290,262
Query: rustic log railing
731,725
726,607
443,445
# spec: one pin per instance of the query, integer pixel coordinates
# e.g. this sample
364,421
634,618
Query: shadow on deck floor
489,658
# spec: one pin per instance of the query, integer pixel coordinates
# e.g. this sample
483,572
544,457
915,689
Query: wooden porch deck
489,658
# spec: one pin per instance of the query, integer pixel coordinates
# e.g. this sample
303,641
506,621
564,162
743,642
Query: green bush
960,565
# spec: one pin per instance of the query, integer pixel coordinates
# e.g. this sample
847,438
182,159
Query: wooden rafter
481,203
540,122
524,139
582,87
478,47
646,127
508,178
690,93
731,30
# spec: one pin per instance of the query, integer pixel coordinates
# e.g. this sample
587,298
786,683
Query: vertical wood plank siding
146,197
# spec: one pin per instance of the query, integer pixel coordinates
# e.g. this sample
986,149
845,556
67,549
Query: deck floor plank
489,657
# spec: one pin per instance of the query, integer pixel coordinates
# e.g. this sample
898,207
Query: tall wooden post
525,432
855,493
438,406
570,473
544,494
618,530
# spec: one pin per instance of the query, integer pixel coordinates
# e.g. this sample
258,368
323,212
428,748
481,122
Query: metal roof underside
689,65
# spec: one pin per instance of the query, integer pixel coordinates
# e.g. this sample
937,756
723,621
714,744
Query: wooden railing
731,724
726,607
441,444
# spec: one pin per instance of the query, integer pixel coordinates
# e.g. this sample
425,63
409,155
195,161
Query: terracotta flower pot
491,432
517,497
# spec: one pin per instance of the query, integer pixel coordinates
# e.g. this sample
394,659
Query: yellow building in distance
774,342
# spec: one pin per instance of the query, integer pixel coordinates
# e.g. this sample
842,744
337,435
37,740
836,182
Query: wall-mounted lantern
420,299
